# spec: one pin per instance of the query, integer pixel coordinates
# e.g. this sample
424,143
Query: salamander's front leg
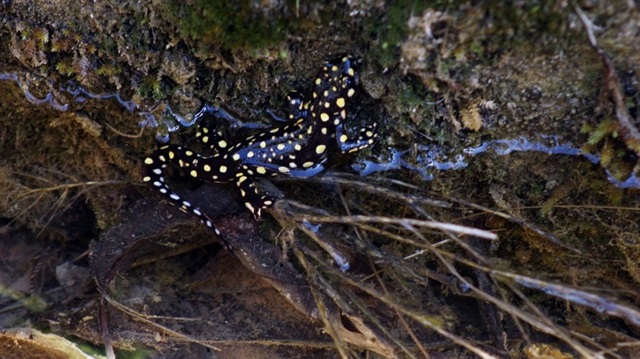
298,109
366,137
215,139
154,168
253,200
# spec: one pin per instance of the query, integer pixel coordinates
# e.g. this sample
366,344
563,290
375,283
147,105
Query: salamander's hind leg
253,200
154,171
366,137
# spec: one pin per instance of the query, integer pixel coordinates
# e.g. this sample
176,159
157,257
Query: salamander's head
342,71
334,86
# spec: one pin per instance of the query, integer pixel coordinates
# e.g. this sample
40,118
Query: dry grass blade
600,303
442,226
388,266
147,320
42,196
429,321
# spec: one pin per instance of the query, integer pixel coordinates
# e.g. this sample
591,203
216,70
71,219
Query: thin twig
137,135
445,227
628,131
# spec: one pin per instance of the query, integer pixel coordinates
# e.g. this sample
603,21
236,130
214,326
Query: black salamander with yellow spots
297,148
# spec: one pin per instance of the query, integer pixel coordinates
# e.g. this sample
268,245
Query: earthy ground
499,216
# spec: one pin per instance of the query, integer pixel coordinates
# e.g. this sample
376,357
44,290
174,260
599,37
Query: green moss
108,70
606,128
390,30
65,68
230,24
614,152
413,95
416,98
524,22
42,37
152,87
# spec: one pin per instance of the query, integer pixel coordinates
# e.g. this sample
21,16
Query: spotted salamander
296,148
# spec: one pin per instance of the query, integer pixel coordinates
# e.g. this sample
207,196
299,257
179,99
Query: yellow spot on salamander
324,117
351,92
307,164
188,153
207,168
222,144
340,102
283,169
261,170
147,179
205,139
320,149
223,169
343,138
236,157
280,146
193,173
148,161
171,155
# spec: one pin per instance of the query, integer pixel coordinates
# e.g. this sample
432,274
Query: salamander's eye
348,62
295,99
